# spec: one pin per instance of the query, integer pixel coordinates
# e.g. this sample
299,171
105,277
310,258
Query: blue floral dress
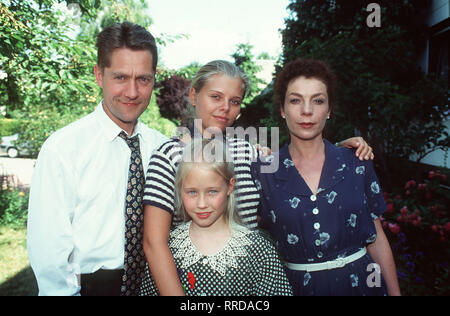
336,222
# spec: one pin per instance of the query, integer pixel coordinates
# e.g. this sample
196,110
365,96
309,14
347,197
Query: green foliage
48,57
189,71
152,118
244,59
13,204
9,127
382,93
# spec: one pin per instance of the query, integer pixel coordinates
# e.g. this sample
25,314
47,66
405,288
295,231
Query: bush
13,204
9,127
418,227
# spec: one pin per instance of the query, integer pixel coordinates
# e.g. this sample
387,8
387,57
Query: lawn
16,276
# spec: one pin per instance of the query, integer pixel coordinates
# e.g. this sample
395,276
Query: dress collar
185,250
332,170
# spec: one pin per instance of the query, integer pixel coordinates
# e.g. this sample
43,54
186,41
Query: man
85,211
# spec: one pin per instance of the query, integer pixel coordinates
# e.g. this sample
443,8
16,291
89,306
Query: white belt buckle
337,263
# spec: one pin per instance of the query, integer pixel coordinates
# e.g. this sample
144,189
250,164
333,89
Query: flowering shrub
13,204
418,226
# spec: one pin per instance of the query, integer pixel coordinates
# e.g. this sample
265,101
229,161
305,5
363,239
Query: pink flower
404,210
431,174
421,186
394,228
410,184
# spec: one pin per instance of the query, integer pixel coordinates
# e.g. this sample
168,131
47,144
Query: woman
322,205
216,94
215,254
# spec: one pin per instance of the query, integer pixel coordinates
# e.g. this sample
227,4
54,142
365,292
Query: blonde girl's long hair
213,153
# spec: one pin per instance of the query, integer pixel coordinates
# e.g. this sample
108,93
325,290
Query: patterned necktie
134,263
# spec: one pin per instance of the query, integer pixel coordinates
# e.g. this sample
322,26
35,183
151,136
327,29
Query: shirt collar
111,129
332,170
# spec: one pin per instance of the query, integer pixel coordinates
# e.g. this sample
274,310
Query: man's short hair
124,35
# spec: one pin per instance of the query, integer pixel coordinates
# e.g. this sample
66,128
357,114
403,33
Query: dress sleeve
373,191
272,280
160,182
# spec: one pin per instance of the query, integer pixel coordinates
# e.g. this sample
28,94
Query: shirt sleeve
49,232
160,182
374,194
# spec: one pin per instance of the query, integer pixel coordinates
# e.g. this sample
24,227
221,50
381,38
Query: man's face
127,86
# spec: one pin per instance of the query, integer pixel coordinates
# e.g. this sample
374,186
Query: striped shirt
160,180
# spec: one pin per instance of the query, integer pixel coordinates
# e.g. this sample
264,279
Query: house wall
438,12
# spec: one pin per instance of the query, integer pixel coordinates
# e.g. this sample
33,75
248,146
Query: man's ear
98,75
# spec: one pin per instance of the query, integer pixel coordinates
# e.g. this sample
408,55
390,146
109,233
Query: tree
244,59
173,100
382,94
48,60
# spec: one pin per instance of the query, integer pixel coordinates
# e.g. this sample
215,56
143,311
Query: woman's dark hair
308,68
124,35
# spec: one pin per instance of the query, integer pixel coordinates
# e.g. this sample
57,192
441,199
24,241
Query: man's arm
49,233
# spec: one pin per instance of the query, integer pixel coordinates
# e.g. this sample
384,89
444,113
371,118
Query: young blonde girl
216,95
213,252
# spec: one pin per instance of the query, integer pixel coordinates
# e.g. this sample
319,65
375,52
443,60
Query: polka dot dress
247,266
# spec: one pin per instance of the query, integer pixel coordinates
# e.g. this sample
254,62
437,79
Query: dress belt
328,265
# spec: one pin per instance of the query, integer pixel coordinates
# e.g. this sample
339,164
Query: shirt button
205,261
317,242
313,197
319,254
315,211
316,225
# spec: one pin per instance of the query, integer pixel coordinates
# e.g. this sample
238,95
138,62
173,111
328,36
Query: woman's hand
363,151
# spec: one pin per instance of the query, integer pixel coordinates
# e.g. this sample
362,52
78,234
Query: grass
16,276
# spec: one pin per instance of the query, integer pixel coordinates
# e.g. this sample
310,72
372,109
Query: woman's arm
381,252
160,260
363,150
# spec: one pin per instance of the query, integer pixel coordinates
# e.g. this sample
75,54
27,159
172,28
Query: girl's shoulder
169,144
169,151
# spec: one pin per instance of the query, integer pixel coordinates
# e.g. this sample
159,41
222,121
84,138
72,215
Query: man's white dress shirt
76,216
